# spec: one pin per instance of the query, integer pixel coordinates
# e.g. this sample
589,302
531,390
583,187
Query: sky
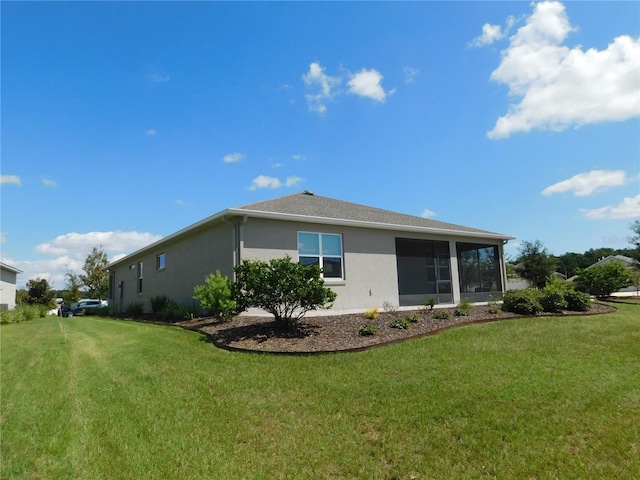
124,122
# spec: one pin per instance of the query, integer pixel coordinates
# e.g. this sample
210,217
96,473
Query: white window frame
140,273
320,255
164,258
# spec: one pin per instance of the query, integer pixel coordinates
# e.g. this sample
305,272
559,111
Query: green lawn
531,398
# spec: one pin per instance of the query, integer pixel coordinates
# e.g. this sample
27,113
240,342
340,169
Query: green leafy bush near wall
524,302
216,296
442,315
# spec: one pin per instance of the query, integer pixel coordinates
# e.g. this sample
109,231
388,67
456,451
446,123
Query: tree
535,263
72,294
635,238
39,293
286,289
603,280
96,275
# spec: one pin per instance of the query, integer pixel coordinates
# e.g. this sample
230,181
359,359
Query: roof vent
308,192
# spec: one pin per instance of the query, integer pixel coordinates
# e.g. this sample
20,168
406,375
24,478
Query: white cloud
263,181
324,87
10,179
233,157
79,245
3,238
298,157
558,86
628,208
366,83
410,74
588,183
180,201
426,213
151,132
49,183
490,33
69,251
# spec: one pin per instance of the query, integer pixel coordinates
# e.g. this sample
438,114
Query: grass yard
541,398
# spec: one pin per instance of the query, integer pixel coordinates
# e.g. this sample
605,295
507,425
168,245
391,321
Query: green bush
282,287
442,315
603,280
23,313
135,310
429,303
524,302
464,308
400,323
577,301
159,304
216,296
368,329
552,298
413,318
101,312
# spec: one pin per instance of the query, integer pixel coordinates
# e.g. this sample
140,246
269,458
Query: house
369,256
8,278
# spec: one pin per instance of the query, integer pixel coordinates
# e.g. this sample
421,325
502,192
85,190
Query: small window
324,250
161,261
140,269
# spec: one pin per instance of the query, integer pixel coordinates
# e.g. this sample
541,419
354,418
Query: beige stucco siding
370,267
189,260
7,289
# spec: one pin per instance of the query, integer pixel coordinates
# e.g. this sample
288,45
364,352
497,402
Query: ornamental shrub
216,296
553,294
368,329
413,318
371,314
524,302
442,315
400,323
577,301
135,310
464,308
284,288
603,280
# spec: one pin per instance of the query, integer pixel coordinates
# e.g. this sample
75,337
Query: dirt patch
336,333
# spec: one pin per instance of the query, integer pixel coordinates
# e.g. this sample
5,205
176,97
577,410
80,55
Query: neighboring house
621,259
369,255
8,278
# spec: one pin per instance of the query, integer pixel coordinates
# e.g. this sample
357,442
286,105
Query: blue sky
123,122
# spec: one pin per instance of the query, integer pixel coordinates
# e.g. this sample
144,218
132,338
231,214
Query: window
140,277
479,269
322,249
161,261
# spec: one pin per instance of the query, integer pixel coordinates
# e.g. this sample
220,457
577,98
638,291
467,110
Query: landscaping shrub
282,287
400,323
429,303
413,318
494,308
23,313
464,308
524,302
577,301
158,304
135,310
101,312
603,280
552,298
216,296
368,329
371,314
442,315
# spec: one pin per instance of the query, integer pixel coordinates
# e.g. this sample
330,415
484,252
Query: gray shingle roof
311,205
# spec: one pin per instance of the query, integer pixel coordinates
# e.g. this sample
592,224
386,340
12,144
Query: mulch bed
339,333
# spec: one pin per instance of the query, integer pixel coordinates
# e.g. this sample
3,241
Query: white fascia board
363,224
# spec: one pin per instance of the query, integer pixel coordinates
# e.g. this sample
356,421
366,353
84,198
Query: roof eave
364,224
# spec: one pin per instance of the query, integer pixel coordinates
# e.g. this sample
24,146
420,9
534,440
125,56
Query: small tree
216,296
535,263
603,280
39,293
72,294
96,275
286,289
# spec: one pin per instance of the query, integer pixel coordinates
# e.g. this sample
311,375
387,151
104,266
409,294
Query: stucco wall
188,261
370,267
7,289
